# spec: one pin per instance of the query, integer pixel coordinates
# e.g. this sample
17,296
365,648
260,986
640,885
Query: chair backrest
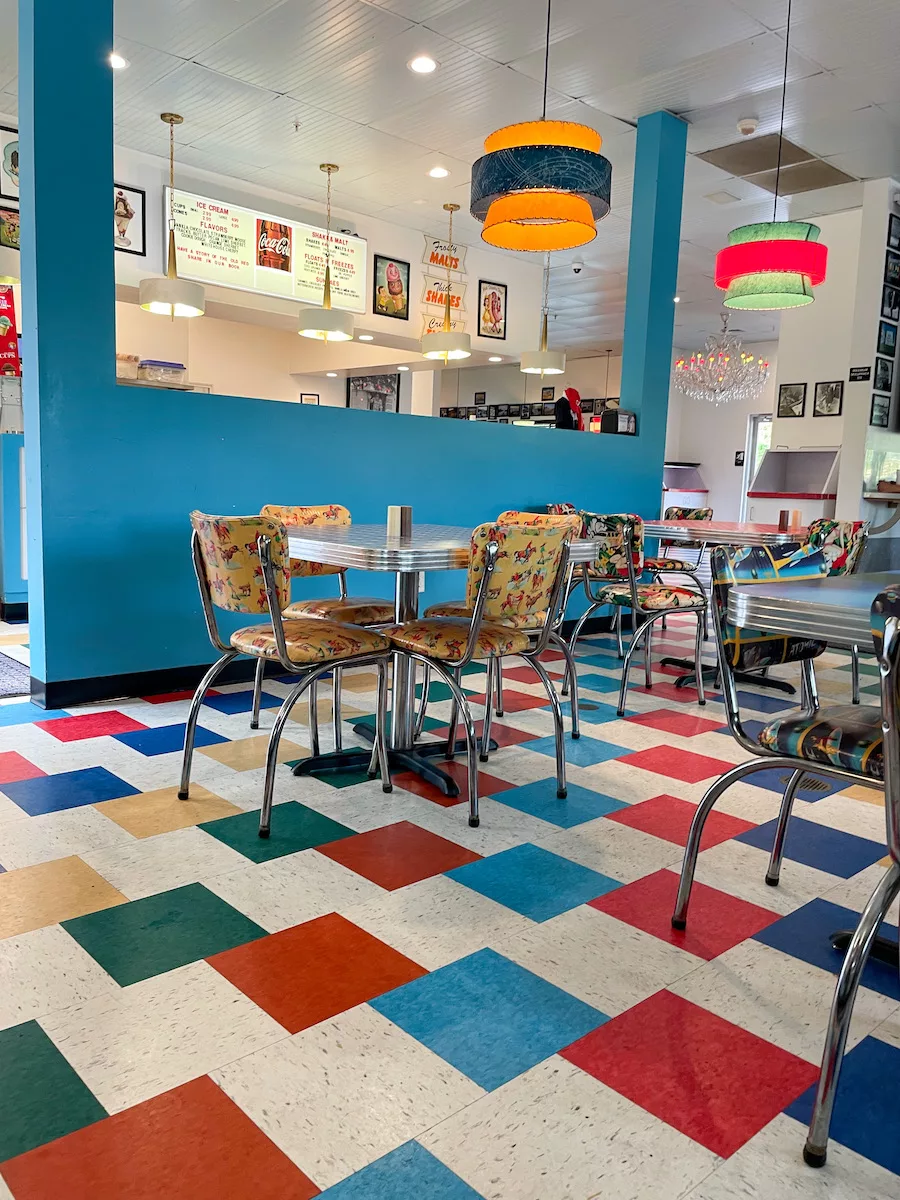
309,514
527,565
231,565
571,521
885,621
609,532
753,649
563,509
674,513
841,541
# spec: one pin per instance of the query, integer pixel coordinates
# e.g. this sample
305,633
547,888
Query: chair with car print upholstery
674,564
242,566
843,543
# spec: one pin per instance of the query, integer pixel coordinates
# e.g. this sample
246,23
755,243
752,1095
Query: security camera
577,266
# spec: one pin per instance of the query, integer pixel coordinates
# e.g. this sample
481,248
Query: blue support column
13,588
652,276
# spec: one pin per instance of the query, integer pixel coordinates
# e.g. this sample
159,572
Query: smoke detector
747,125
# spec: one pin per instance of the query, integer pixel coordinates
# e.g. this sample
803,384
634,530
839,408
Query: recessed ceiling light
365,337
677,299
722,197
331,374
403,368
438,172
117,62
422,64
495,358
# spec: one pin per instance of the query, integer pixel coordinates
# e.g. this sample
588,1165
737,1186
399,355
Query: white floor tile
159,1033
46,970
501,826
343,1093
740,870
168,860
614,849
58,834
556,1133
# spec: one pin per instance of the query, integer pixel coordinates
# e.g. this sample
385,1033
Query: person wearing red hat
568,410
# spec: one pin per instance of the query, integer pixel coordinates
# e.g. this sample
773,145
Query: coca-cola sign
273,244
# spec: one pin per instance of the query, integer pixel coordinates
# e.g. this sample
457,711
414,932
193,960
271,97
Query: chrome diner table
836,610
369,548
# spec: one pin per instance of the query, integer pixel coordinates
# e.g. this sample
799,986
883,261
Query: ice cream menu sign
235,247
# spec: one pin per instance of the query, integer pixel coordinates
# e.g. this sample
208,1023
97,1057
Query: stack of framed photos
886,348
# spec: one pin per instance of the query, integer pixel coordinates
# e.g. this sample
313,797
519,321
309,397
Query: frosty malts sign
441,255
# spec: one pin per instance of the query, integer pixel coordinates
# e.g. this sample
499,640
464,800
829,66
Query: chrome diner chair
242,566
843,543
883,760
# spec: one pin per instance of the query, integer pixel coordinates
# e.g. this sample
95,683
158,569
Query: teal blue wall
13,588
113,472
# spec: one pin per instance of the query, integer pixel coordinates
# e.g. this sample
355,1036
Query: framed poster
892,268
390,288
887,338
884,375
129,219
9,228
492,412
548,409
309,397
374,393
491,309
9,163
587,406
894,231
792,400
502,411
890,303
548,393
481,412
480,397
515,410
880,411
828,399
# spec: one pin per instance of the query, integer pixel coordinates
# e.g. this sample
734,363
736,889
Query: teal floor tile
41,1096
159,933
429,723
294,827
407,1171
439,691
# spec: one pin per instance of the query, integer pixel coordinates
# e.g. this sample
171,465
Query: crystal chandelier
723,371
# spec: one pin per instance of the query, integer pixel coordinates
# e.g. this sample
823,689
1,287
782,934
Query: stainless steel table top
835,609
368,547
722,533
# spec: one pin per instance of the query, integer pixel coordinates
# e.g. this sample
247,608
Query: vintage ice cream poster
491,309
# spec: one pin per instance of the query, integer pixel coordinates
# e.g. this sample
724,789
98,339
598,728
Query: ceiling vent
756,160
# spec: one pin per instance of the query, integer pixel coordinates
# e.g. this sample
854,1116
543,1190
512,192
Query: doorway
759,439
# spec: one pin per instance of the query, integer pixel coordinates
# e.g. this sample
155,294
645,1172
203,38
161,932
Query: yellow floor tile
300,713
364,682
13,639
869,795
250,753
51,892
161,811
885,862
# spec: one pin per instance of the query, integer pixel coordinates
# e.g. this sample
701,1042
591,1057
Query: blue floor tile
164,739
25,713
595,682
532,881
594,711
772,702
539,799
488,1017
585,752
608,661
819,846
806,934
866,1113
814,787
70,789
406,1172
241,702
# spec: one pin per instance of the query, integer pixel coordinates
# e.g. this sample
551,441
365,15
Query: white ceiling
242,72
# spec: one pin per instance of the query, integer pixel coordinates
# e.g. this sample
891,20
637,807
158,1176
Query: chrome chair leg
336,675
493,670
498,679
620,649
379,759
571,674
698,657
461,706
648,657
559,732
423,703
265,814
314,717
809,691
454,711
854,674
816,1149
773,874
257,692
640,632
190,728
576,633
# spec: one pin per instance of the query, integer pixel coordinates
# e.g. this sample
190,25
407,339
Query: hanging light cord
546,62
171,174
448,327
787,42
328,222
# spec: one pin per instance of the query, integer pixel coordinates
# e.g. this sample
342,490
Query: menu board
236,247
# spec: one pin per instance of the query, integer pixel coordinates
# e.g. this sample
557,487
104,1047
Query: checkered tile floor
381,1002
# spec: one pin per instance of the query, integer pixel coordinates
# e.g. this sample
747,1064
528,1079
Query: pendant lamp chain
545,303
787,43
451,209
546,62
329,169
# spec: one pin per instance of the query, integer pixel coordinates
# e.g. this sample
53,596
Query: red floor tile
89,725
678,764
168,697
670,818
712,1080
681,724
315,970
488,785
192,1143
716,921
526,675
503,735
514,701
663,690
552,656
14,767
398,854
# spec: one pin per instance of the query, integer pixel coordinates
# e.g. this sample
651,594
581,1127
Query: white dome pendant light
543,362
171,296
326,323
445,344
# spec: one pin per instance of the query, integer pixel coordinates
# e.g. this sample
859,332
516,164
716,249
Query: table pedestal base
884,950
710,672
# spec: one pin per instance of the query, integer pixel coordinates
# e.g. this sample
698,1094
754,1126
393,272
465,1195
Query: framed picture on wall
894,231
309,397
880,411
587,406
548,408
390,288
884,375
828,400
892,268
887,338
502,411
548,393
129,219
374,393
9,163
9,228
480,397
491,309
792,400
890,303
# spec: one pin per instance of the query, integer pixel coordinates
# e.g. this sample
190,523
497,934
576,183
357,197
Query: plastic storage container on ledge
156,371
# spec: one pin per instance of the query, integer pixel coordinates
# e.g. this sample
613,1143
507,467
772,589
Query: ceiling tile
184,27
